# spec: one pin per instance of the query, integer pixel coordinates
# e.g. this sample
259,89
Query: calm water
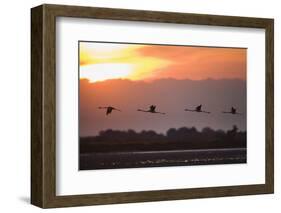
113,160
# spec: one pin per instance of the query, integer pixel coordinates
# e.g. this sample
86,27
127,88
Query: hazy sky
129,77
103,61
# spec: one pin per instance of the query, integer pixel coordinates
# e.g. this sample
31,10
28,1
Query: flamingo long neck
142,110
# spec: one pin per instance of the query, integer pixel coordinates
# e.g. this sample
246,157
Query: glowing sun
104,71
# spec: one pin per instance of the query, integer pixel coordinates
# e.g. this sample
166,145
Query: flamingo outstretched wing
152,108
109,110
198,108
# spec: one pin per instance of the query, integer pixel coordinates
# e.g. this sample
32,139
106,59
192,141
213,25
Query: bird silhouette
233,111
109,109
197,109
151,110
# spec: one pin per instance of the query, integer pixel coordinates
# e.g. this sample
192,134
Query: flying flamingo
151,110
197,109
233,111
109,109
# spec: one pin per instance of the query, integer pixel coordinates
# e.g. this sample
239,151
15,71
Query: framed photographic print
137,133
136,106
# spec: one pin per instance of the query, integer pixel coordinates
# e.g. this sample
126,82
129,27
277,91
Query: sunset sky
131,77
104,61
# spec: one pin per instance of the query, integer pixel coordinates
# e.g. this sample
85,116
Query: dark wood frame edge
43,105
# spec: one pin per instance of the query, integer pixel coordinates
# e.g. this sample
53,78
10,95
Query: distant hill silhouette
174,139
169,95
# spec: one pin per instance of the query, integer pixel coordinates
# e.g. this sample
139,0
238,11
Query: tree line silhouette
174,139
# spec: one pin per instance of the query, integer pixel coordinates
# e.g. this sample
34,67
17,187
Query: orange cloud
149,62
198,62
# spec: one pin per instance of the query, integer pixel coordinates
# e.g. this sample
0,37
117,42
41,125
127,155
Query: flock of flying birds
152,109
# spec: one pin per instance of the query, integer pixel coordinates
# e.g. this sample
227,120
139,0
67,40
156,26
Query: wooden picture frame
43,105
